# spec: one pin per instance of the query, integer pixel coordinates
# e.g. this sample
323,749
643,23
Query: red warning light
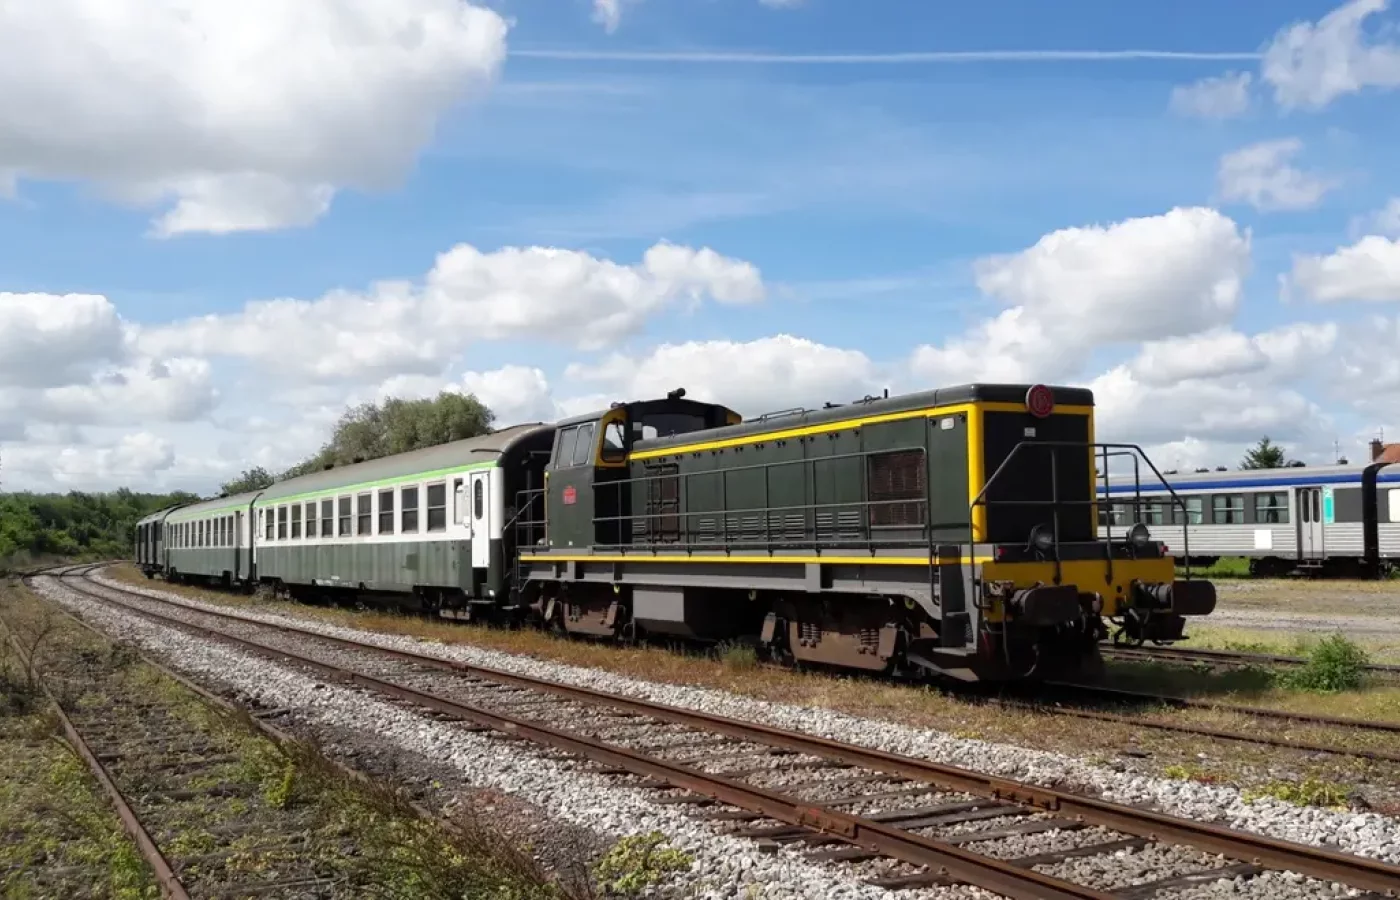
1040,400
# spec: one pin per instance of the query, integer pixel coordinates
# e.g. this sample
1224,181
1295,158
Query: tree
254,479
1265,455
374,430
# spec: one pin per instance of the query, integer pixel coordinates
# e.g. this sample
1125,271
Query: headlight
1042,538
1139,536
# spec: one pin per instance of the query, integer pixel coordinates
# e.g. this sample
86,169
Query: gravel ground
724,867
1363,833
1267,620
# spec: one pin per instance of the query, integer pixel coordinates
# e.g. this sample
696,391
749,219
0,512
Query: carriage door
1310,523
479,514
238,570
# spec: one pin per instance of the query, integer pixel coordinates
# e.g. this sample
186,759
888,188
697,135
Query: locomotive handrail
1123,448
865,529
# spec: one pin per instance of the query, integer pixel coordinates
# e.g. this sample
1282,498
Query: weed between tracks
1120,746
54,824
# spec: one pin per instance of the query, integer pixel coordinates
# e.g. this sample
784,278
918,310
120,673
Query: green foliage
373,430
638,861
1334,664
254,479
1308,792
1265,455
74,525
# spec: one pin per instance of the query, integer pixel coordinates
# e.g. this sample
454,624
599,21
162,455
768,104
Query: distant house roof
1387,453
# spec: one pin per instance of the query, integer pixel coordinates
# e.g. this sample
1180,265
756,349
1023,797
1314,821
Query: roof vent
677,394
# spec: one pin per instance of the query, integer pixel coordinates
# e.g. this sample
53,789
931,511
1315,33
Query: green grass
1227,567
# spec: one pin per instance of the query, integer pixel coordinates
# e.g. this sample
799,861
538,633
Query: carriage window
1393,500
269,526
365,517
896,477
223,531
345,517
478,499
296,521
1271,509
408,515
1227,509
281,523
328,518
386,512
437,507
583,450
1154,512
613,442
228,530
459,501
311,519
1194,514
566,448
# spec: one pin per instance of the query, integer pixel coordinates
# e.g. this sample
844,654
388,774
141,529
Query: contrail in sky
915,58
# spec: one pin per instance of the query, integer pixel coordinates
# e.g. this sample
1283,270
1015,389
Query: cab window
614,449
565,456
583,450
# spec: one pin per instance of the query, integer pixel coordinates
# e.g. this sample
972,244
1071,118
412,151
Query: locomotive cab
588,492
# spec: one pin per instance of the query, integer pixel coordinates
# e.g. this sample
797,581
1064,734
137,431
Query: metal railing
1103,452
645,527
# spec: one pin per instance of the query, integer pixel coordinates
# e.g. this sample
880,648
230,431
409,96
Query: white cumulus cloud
1311,64
1366,270
751,377
1078,288
243,115
56,339
544,293
1261,176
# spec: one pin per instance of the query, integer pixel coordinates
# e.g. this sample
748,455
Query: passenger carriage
1343,519
211,541
428,523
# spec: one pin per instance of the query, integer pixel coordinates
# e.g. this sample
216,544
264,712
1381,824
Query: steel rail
1229,657
1357,871
944,859
168,881
272,732
1259,712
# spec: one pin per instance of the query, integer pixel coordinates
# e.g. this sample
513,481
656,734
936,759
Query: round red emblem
1040,400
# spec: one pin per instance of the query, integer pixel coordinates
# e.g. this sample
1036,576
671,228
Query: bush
639,861
1334,664
737,657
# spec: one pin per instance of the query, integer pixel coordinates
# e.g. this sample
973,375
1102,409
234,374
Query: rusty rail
169,882
1356,871
1222,657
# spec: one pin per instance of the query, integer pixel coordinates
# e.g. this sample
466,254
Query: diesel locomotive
953,531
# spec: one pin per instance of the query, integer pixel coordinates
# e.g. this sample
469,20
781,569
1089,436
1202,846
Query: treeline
38,528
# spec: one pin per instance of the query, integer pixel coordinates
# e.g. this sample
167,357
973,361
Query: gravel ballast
1362,833
724,867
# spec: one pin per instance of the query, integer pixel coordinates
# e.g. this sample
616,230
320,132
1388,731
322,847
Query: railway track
1222,658
1266,734
169,779
909,822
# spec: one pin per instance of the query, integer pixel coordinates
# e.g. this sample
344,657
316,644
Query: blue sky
867,195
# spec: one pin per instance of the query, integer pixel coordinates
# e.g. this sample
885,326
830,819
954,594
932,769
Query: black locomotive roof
964,393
